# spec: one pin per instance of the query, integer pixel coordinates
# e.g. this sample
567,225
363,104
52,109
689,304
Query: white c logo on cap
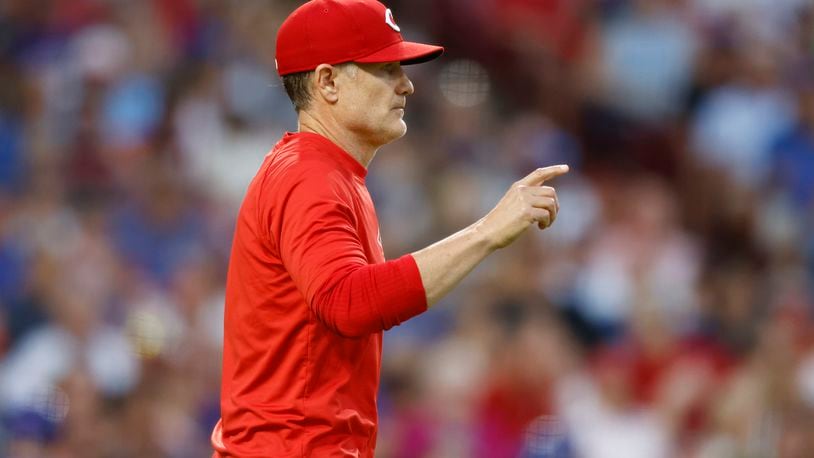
388,18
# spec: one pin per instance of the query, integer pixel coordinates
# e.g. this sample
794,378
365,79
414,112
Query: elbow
344,314
371,299
353,331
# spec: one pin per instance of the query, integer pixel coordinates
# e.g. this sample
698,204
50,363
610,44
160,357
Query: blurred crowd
669,312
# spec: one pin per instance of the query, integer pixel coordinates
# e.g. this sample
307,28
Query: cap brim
406,52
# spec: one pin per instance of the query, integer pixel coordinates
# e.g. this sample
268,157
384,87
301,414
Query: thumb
543,174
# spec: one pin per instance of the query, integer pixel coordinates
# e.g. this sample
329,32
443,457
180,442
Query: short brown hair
297,88
298,85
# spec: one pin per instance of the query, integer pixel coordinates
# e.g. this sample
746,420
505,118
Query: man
309,292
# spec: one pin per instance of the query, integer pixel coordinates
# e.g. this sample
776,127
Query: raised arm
325,258
444,264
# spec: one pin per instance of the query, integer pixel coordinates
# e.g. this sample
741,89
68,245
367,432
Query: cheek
374,110
367,108
352,110
362,103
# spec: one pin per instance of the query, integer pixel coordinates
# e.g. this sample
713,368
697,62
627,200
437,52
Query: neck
362,151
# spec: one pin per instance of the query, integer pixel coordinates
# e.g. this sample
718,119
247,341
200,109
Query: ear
325,81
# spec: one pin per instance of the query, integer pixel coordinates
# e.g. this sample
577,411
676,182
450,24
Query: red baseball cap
338,31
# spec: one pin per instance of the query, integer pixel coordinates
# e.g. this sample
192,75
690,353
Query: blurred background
668,312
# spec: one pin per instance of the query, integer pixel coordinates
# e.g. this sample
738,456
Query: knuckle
528,214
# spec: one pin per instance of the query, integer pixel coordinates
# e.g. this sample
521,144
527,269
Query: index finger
543,174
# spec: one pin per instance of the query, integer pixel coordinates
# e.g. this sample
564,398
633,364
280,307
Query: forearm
444,264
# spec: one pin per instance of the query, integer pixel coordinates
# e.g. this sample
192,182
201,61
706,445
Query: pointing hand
526,202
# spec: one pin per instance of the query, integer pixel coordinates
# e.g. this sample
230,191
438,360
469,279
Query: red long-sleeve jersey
308,294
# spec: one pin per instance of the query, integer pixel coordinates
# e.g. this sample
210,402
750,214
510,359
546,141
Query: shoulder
300,158
303,170
296,178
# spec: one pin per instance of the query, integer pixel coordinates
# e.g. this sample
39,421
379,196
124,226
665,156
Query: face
372,100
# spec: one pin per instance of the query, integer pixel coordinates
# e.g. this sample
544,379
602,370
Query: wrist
483,236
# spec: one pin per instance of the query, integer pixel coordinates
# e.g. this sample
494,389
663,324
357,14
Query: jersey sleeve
322,251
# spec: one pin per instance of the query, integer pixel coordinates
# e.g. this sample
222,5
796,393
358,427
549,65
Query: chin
393,133
402,130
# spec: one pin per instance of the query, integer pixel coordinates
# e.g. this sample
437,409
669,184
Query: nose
405,86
